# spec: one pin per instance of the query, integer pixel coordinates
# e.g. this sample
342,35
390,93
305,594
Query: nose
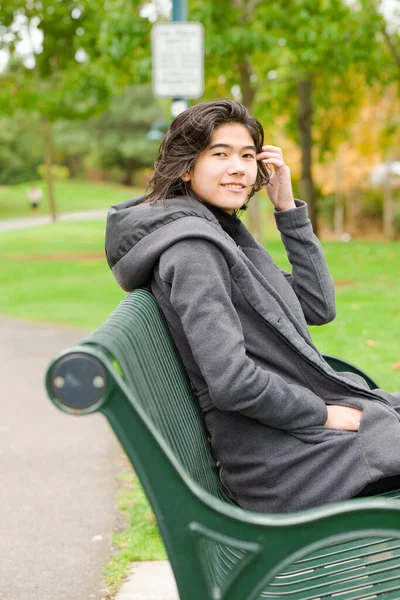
236,166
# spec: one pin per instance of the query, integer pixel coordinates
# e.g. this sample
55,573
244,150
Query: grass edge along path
139,539
71,195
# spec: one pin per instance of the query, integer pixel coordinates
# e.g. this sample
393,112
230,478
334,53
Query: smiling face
224,174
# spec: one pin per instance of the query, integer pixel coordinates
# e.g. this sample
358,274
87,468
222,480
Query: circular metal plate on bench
78,381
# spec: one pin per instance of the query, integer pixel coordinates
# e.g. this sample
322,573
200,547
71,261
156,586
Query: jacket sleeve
197,279
310,278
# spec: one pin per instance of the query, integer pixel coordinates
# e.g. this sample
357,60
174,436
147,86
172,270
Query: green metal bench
129,370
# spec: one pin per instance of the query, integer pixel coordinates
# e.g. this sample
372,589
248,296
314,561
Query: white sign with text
178,60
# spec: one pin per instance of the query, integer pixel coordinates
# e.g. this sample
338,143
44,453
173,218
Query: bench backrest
137,337
229,553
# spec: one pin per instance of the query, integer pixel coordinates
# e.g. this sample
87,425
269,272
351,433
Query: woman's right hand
279,186
343,417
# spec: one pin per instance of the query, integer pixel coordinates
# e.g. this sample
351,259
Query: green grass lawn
71,195
366,330
58,273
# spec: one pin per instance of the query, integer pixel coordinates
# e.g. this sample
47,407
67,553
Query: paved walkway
58,484
27,222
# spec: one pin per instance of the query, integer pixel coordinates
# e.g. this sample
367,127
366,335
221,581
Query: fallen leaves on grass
371,343
344,283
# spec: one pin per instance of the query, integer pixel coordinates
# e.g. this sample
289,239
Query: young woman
288,432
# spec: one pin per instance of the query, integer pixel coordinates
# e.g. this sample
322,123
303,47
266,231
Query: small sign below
178,59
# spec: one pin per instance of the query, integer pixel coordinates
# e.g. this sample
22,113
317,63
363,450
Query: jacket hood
138,232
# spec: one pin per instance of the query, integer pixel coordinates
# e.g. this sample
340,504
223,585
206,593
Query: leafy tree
60,78
122,132
72,140
287,58
123,41
20,154
90,50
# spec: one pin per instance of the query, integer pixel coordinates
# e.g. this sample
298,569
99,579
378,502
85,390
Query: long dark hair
189,135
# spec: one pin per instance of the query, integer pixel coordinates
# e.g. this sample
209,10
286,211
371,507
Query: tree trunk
46,133
338,208
248,92
74,166
353,210
129,170
48,159
388,229
392,47
304,123
246,87
338,216
248,95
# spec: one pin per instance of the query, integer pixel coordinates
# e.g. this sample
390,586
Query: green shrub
57,171
372,203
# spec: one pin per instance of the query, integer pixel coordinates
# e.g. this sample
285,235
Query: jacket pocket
379,435
375,413
318,434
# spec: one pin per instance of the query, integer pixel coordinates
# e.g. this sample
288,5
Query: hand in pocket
343,417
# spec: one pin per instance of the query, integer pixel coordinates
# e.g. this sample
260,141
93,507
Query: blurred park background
80,128
77,108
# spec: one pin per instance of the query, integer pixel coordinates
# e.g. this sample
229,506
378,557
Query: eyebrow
221,145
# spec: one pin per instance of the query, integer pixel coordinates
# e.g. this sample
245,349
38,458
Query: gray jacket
240,326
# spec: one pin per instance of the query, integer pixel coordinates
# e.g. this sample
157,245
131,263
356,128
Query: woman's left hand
279,187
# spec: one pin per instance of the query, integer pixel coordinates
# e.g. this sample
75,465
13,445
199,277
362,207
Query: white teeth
233,186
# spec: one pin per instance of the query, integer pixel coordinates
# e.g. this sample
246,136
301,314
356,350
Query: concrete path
27,222
58,472
150,581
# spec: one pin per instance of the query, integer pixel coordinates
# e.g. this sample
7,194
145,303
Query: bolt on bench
129,370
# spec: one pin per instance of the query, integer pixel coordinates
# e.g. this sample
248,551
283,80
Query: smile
235,187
